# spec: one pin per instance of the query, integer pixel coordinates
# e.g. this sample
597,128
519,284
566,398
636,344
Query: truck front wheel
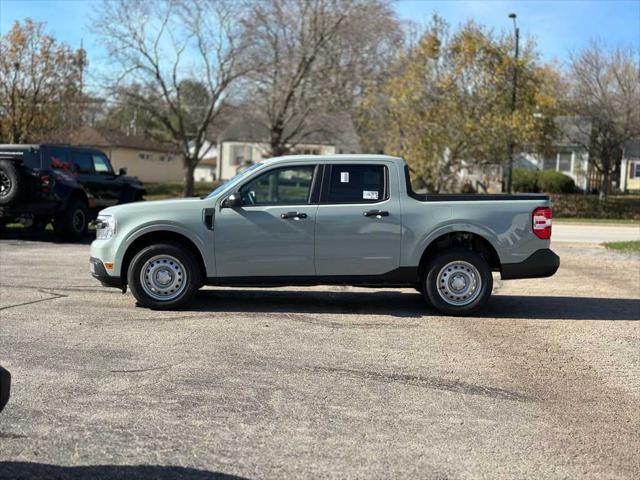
163,276
458,282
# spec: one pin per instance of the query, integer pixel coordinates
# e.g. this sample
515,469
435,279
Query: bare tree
168,52
40,83
311,57
605,88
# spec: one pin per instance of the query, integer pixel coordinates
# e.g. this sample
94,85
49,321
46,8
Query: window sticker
344,177
370,194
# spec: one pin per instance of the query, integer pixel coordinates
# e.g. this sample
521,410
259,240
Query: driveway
319,382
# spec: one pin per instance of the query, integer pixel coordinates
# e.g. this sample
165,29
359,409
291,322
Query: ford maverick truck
315,220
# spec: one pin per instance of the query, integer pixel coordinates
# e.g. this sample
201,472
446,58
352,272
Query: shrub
555,182
590,206
525,181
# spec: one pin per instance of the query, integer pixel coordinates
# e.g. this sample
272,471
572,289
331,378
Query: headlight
105,227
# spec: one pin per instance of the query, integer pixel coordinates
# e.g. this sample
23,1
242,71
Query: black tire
10,184
73,223
435,291
187,288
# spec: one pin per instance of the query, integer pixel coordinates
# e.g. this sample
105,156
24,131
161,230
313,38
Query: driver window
283,186
101,164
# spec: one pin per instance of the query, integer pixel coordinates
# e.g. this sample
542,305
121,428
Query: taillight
541,220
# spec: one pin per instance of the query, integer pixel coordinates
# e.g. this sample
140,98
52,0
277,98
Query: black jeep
69,185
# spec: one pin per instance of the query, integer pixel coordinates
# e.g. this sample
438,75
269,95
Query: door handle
293,215
376,213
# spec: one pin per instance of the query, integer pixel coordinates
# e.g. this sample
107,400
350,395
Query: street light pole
514,89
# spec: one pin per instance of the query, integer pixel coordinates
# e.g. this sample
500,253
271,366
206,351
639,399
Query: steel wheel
163,278
459,283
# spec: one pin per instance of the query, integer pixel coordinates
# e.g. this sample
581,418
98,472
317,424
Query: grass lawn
633,246
627,221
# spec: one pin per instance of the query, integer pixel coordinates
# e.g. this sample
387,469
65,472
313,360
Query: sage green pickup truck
316,220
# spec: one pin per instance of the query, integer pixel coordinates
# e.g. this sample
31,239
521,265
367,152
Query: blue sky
560,26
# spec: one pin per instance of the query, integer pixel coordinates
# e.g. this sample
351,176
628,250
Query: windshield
234,180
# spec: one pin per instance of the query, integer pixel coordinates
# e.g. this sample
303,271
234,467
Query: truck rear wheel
9,182
73,223
458,282
163,276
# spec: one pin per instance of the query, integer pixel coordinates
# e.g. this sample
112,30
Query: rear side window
82,162
356,184
58,159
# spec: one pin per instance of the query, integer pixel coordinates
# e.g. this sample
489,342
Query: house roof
631,148
104,137
335,129
572,130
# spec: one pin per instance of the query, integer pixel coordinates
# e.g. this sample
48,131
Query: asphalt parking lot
319,382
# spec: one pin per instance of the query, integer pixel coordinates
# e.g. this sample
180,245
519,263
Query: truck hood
153,206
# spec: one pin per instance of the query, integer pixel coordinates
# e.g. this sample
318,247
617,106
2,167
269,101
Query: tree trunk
275,142
188,177
606,183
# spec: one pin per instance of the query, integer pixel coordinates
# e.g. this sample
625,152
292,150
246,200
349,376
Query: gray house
566,153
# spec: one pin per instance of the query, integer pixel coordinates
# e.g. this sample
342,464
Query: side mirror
232,201
122,171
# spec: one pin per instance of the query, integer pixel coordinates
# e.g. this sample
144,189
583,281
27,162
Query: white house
246,141
206,169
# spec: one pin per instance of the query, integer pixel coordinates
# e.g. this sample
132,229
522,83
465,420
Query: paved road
594,233
319,382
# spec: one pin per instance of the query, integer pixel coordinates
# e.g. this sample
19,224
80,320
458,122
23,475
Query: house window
634,169
240,154
144,156
549,163
564,162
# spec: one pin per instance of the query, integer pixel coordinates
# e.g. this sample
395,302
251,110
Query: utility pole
514,89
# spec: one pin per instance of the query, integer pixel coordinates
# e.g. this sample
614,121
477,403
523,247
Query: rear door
271,234
358,223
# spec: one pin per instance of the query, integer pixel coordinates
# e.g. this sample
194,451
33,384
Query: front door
82,162
108,185
358,224
272,233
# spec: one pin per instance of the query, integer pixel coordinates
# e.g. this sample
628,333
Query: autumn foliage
40,83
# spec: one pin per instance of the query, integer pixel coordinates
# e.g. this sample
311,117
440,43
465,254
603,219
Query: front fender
165,226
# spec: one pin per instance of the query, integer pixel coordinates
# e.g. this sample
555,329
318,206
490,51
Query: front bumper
541,263
99,272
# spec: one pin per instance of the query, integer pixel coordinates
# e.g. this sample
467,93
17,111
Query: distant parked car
69,185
